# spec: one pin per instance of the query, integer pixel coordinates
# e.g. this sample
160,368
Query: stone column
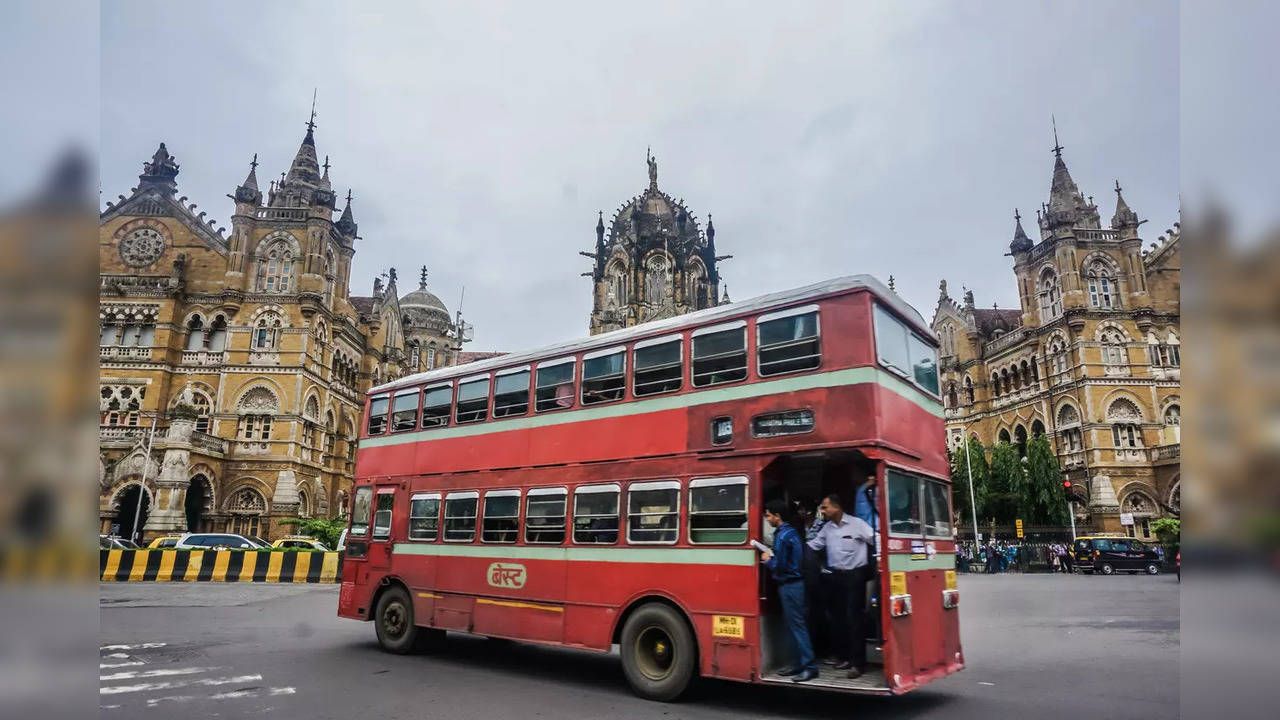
168,513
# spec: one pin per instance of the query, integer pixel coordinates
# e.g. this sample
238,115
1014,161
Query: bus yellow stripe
509,603
222,558
194,561
167,558
429,595
273,567
113,564
301,567
329,571
250,564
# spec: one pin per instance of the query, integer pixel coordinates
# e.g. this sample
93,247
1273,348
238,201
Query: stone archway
127,508
198,503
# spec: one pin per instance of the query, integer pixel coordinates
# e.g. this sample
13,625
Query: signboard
733,626
918,551
506,575
897,583
1126,518
951,580
1019,527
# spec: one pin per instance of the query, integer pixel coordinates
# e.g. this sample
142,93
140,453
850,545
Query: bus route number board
733,626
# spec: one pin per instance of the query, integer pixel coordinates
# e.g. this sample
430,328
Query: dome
423,298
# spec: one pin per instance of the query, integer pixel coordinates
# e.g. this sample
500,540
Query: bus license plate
733,626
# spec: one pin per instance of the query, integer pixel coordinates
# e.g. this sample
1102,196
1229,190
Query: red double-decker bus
606,491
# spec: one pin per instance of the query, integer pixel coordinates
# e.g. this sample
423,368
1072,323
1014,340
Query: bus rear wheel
393,621
658,652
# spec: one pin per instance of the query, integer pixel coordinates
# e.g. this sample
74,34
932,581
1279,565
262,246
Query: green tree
960,480
1005,485
1042,499
1169,532
326,530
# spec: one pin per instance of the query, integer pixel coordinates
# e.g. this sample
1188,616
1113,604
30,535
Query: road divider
219,566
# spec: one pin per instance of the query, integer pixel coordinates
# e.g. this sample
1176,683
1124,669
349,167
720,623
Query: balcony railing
1095,234
1166,452
124,352
209,443
203,357
137,282
272,213
1005,341
1131,454
1073,460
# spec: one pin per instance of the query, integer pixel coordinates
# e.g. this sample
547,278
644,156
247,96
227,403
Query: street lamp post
973,504
142,486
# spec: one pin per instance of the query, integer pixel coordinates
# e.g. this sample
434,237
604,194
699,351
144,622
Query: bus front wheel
658,652
393,621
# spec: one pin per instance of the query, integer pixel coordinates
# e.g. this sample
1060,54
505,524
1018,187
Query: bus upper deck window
424,516
904,503
360,511
378,414
545,515
404,411
595,515
460,516
788,341
659,366
924,363
718,510
437,403
555,385
653,512
501,516
473,401
720,354
511,394
603,376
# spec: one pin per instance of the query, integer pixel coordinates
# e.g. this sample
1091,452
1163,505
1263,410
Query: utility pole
973,504
142,486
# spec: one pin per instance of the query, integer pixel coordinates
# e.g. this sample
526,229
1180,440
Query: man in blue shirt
785,563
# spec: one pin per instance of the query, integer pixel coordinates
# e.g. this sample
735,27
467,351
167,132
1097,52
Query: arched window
257,409
1173,424
195,333
203,411
968,390
330,433
1037,428
415,355
304,503
1058,356
1050,296
216,340
247,506
1102,286
1114,352
953,399
1020,437
275,267
995,385
1004,436
431,356
1124,417
1069,428
266,333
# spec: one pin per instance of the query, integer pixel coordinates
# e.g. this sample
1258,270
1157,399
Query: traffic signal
1066,486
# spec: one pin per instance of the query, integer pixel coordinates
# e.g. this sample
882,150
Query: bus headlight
950,599
899,605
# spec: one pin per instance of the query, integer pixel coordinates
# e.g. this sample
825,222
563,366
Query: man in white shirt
846,539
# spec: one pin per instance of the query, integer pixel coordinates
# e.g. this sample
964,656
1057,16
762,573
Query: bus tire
393,621
659,655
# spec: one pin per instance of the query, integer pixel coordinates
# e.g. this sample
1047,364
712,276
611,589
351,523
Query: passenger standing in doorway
786,564
846,540
815,574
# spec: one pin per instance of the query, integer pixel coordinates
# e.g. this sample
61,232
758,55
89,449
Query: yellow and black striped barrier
219,566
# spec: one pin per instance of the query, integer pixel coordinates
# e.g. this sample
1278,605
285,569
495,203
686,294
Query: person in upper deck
786,564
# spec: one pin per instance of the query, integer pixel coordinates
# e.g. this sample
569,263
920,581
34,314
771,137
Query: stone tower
653,261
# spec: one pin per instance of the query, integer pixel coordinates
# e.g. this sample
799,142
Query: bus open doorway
802,480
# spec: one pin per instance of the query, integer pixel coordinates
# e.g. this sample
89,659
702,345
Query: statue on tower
653,168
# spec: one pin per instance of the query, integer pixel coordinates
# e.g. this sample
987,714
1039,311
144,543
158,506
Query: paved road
1038,646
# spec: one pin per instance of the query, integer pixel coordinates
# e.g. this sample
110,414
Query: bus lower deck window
437,403
473,401
360,511
404,411
595,516
378,414
904,503
937,509
720,357
424,517
658,368
789,344
382,515
555,386
604,378
653,512
460,517
544,516
718,510
511,394
501,516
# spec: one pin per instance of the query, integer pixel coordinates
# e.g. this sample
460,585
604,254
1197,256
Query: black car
1110,555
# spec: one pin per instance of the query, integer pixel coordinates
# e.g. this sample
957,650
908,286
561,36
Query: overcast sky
825,138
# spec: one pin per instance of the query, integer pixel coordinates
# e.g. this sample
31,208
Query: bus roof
657,327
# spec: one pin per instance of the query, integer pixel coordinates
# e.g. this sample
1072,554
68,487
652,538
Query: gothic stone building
244,350
1090,358
653,262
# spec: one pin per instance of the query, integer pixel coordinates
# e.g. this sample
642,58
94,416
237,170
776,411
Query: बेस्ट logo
506,575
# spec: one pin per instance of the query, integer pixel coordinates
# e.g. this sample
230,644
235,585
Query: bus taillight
950,599
899,605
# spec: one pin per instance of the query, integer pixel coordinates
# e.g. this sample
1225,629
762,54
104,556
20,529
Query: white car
218,541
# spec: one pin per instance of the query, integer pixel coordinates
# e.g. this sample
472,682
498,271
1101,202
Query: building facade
652,262
1091,358
244,350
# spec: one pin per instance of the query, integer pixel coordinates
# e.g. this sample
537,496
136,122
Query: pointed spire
600,236
1124,217
422,281
252,180
347,223
248,191
725,299
711,235
324,179
1067,206
1021,243
305,169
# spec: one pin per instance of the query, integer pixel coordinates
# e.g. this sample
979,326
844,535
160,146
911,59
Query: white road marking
986,683
234,694
231,695
135,674
147,687
143,646
104,666
283,691
116,655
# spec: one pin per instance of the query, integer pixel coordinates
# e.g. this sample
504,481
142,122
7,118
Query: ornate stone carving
259,400
141,247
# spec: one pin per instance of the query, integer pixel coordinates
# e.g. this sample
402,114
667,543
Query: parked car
218,541
1110,555
164,541
113,542
301,542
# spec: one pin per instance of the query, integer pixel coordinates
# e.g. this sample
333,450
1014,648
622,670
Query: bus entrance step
872,681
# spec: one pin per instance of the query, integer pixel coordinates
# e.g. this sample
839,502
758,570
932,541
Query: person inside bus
785,563
846,539
815,574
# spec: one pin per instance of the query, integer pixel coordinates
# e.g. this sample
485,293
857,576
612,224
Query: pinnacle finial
1117,187
253,164
1017,217
326,165
348,196
422,283
1057,146
891,287
311,124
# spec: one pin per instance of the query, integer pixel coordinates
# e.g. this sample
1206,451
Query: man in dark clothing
785,563
849,543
